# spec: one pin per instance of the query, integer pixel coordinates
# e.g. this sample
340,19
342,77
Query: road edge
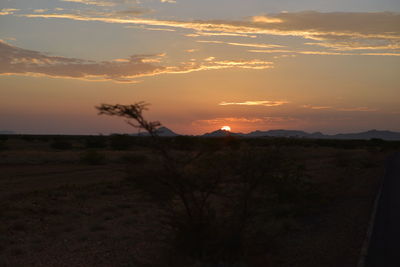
371,224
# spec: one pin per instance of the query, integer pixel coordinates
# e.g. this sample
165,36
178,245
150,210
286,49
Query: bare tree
212,197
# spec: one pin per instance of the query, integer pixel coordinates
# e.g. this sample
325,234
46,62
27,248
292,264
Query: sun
226,128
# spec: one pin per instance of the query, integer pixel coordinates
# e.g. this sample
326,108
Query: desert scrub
121,141
96,142
61,145
93,157
3,145
134,158
210,195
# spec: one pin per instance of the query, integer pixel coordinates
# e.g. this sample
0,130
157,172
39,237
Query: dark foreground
94,201
385,241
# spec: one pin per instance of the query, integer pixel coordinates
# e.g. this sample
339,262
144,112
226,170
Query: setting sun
226,128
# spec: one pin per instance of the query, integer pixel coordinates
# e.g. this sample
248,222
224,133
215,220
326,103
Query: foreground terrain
76,201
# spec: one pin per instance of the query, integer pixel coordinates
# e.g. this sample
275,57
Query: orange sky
254,66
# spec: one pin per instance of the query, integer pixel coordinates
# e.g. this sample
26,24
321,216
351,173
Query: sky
312,65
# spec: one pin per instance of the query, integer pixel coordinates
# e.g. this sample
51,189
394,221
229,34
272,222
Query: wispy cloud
191,50
242,44
266,19
243,120
362,109
8,11
348,46
367,29
267,103
41,10
321,53
18,61
316,107
131,12
151,28
92,2
199,34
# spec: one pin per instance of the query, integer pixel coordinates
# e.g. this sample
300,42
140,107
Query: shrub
61,145
121,141
93,157
3,145
210,197
134,158
96,142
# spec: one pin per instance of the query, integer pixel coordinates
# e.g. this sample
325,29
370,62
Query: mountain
7,132
162,131
218,133
278,133
385,135
222,133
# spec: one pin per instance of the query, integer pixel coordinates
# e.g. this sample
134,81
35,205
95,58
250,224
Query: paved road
384,250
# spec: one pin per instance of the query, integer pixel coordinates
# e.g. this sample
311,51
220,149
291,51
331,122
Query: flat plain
72,201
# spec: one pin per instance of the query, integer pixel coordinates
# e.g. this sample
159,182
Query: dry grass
57,211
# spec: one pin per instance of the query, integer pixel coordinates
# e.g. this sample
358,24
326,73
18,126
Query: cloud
362,109
266,19
267,103
132,12
198,34
340,46
18,61
316,107
150,28
92,2
42,10
365,28
270,51
243,120
320,53
168,1
7,11
243,44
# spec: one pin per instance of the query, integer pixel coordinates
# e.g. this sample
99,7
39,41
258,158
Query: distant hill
385,135
7,132
278,133
162,131
217,133
222,133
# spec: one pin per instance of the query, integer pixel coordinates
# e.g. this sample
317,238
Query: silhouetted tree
210,196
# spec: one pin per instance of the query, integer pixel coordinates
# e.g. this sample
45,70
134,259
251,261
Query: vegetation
186,201
212,197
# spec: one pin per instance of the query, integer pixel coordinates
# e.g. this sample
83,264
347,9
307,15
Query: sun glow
226,128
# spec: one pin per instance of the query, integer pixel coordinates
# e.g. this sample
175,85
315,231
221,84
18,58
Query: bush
93,157
210,196
121,142
96,142
61,145
3,145
134,158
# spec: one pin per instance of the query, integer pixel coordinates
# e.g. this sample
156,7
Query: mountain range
385,135
162,131
378,134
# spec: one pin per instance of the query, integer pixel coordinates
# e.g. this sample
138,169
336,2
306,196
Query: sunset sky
313,65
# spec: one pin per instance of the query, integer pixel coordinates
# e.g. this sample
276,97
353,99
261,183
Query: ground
61,207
